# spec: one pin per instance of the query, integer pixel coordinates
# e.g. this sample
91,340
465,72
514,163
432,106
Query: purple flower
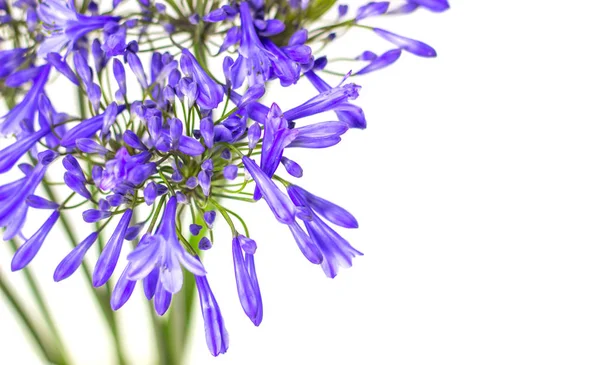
432,5
247,283
210,92
373,8
380,62
230,172
332,212
337,252
162,250
319,135
30,248
11,154
409,45
136,67
122,290
13,206
292,167
110,254
26,109
233,36
280,205
277,137
348,113
217,337
254,60
66,25
38,202
74,259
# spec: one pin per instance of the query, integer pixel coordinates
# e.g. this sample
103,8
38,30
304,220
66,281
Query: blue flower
26,110
164,252
217,337
13,205
30,248
66,26
337,252
245,276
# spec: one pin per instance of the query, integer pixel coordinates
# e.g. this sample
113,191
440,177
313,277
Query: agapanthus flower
147,169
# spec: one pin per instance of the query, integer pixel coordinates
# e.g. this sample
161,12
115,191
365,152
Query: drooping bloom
163,251
245,275
217,337
337,252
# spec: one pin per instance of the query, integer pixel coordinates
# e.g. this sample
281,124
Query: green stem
101,295
41,303
18,307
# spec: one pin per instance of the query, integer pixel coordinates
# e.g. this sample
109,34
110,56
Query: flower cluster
161,159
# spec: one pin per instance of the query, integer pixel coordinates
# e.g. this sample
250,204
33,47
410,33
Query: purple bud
207,165
342,10
195,229
272,27
133,140
253,93
216,15
119,73
230,172
114,200
136,66
248,244
103,204
372,9
175,131
366,56
382,61
192,182
74,259
204,182
207,131
72,166
93,215
181,198
88,145
299,37
38,202
253,135
407,44
83,70
205,244
226,154
209,218
292,167
194,18
110,254
30,248
56,61
150,193
46,157
99,56
133,231
190,146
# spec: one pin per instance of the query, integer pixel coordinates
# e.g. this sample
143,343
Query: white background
477,189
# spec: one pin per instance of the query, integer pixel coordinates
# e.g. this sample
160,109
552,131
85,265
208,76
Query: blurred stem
19,308
41,303
102,295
